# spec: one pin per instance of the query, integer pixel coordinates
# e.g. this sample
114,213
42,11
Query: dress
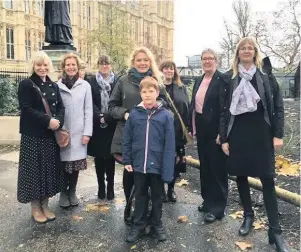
251,144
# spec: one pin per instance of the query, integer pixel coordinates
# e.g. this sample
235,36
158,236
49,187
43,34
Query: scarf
245,97
105,88
69,82
139,76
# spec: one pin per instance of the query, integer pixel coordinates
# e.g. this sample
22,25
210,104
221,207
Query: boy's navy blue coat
149,141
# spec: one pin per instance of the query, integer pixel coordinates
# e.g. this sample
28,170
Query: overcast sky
199,24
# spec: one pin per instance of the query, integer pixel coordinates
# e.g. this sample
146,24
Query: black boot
171,195
100,173
202,209
277,239
72,189
128,213
246,225
159,233
134,234
110,191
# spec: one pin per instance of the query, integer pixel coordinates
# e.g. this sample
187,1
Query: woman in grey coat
77,98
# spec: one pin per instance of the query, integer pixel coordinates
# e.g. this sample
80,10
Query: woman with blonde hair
178,93
40,176
124,97
251,128
77,97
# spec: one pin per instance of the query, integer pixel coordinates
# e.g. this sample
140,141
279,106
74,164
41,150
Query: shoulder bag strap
45,103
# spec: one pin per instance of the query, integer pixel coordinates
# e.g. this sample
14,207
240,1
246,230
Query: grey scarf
105,88
245,97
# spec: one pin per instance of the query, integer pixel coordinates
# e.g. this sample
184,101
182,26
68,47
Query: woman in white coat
77,98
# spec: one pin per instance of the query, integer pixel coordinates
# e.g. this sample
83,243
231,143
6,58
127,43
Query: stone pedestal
55,53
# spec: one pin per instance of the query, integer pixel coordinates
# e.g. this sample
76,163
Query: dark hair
171,64
104,60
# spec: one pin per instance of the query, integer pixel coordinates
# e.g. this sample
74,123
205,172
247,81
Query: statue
58,29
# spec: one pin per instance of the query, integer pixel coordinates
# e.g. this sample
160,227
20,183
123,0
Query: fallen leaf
237,214
77,217
258,225
183,182
134,246
285,166
119,201
243,245
182,219
104,208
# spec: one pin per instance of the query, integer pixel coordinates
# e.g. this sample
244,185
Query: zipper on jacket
146,142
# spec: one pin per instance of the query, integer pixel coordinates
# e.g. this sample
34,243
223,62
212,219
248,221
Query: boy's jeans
142,182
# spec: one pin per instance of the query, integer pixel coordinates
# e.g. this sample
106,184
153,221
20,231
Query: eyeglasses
208,59
249,48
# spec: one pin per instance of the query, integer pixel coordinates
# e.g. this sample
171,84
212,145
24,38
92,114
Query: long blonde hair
257,58
153,64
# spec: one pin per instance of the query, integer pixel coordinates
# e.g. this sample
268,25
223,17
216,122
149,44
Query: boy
148,151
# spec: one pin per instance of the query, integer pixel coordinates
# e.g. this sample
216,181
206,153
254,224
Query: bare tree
242,27
283,40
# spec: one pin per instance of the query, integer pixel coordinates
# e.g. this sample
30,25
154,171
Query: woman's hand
85,140
54,124
278,143
225,148
129,168
126,116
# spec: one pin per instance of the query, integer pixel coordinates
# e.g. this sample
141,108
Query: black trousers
142,183
105,166
269,197
213,173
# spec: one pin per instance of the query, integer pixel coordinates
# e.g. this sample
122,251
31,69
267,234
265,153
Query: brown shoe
47,212
37,212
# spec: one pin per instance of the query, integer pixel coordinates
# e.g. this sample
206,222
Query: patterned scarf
139,76
105,88
245,97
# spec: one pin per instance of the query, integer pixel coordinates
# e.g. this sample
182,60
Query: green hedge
8,96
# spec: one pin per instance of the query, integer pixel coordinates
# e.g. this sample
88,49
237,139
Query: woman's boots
41,212
68,195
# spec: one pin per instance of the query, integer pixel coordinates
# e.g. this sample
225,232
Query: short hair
69,56
149,82
171,64
38,57
104,60
209,50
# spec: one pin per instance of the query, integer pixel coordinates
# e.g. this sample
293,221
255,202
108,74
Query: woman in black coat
40,175
125,96
204,114
178,93
104,126
251,127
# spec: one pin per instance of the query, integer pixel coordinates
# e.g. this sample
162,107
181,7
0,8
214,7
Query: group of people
237,118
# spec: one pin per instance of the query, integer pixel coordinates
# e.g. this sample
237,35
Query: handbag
62,136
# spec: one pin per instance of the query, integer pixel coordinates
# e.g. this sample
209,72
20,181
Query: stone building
22,27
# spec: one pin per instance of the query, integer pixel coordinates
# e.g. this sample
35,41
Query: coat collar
63,87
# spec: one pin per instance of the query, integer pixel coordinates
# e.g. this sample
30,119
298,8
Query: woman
251,127
204,114
99,147
40,176
178,93
77,97
124,97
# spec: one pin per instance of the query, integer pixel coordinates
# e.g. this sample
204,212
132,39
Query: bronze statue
58,29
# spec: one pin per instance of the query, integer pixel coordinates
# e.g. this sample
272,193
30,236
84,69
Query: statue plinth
56,53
